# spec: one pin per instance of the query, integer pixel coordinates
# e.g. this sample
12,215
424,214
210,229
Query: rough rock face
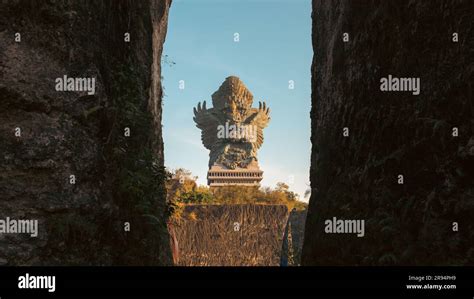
230,235
73,133
392,133
293,239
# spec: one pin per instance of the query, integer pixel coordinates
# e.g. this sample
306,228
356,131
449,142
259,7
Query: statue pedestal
219,175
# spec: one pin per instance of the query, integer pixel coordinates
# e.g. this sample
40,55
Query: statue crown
232,92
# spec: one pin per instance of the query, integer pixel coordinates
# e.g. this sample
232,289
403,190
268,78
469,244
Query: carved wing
260,119
208,123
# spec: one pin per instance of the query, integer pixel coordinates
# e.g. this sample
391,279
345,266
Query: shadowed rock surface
293,239
208,235
64,133
392,133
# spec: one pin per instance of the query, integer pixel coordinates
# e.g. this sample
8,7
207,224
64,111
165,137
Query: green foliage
187,192
91,111
165,60
133,166
75,239
139,172
388,259
197,197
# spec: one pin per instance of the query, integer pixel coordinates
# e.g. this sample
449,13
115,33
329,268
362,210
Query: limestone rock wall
64,133
230,235
293,239
392,133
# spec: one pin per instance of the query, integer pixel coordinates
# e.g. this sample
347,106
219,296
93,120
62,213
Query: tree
182,189
282,187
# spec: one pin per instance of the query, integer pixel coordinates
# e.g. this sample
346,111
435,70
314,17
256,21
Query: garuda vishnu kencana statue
233,132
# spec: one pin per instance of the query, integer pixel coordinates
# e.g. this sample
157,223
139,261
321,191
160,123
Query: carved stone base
220,175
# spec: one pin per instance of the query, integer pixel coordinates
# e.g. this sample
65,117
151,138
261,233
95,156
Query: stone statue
232,130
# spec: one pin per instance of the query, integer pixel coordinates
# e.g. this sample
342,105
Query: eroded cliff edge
392,133
118,179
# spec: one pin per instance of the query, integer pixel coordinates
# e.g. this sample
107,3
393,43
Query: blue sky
274,48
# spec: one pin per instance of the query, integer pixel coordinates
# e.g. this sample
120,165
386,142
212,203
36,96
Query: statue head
233,99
